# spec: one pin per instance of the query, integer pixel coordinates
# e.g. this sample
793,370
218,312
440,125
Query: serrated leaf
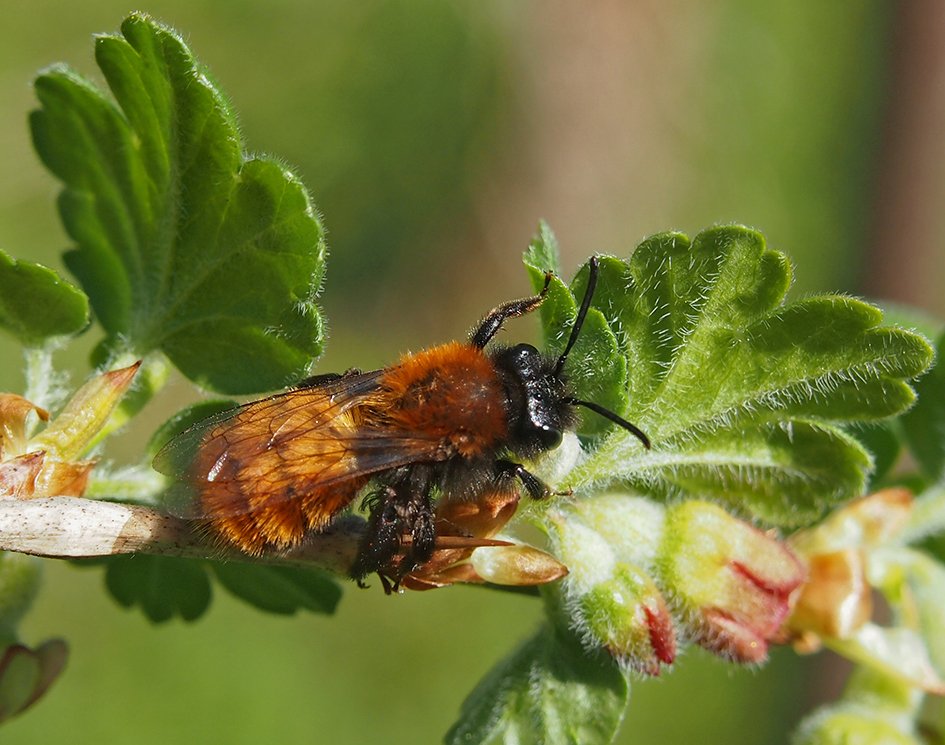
596,369
784,475
36,303
924,424
543,254
162,586
550,691
183,243
741,394
558,310
279,589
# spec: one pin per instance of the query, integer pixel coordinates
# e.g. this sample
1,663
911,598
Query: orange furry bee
446,421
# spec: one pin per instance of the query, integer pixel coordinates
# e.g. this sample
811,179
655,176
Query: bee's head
542,407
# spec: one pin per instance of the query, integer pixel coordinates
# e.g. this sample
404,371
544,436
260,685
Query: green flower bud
627,615
611,601
77,426
26,674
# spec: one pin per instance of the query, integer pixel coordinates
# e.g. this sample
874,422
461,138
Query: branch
73,527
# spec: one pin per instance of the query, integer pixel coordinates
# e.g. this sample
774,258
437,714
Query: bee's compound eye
550,437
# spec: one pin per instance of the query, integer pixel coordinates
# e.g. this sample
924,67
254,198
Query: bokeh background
433,136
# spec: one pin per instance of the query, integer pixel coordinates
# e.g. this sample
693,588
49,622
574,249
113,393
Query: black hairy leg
381,540
536,488
399,510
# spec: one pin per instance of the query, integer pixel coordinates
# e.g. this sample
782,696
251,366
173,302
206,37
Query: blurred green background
433,136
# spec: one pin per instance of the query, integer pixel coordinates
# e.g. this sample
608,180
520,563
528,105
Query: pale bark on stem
73,527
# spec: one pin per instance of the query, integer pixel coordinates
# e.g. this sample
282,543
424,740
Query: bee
452,421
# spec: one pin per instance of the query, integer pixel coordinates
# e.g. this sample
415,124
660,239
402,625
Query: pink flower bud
732,583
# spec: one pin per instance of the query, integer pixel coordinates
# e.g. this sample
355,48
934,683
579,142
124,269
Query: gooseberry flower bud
732,583
48,465
611,599
26,674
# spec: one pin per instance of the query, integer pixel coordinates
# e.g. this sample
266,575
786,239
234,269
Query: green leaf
783,475
279,589
36,303
550,691
741,394
19,584
543,254
184,244
596,369
162,586
924,424
26,674
558,310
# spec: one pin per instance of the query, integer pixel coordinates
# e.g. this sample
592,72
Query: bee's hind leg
401,510
381,540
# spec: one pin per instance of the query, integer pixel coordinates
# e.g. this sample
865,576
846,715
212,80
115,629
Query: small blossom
14,412
48,464
732,582
849,555
632,526
836,600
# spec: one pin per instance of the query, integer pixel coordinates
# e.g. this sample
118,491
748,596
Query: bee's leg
492,323
381,541
316,381
422,533
536,488
416,508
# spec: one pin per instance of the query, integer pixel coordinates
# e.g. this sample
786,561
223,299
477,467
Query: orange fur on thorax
452,391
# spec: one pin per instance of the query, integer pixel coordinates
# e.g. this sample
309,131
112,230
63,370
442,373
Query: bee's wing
288,445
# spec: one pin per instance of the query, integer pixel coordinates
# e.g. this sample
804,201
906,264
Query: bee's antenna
615,418
592,269
592,266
